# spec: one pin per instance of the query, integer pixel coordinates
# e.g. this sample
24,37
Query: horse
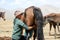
30,21
34,18
2,15
53,20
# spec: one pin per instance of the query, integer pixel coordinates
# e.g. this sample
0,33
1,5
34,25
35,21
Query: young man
18,26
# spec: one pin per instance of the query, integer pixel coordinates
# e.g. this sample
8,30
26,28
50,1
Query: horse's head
45,20
48,18
2,15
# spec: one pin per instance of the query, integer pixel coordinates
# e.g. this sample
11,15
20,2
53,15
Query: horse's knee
34,37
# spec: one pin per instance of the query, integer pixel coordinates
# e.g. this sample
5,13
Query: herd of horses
33,18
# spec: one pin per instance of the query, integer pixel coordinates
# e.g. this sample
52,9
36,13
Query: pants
29,34
22,38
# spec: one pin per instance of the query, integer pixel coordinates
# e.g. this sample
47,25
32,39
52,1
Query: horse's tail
39,20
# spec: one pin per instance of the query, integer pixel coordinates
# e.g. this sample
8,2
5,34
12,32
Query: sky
23,4
13,4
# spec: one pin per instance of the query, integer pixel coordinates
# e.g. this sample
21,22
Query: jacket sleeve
22,24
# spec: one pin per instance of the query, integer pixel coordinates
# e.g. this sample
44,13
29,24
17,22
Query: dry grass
6,28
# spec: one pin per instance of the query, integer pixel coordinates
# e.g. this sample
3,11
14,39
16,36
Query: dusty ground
6,28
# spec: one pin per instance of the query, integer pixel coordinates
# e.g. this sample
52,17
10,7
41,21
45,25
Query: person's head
19,15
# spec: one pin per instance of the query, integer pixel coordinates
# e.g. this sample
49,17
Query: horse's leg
26,34
50,28
35,34
54,25
58,27
30,34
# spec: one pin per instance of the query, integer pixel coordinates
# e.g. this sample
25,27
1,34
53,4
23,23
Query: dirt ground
6,28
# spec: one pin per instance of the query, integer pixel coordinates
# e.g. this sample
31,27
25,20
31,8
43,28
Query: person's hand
30,28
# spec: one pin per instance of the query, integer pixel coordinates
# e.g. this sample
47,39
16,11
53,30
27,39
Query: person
18,26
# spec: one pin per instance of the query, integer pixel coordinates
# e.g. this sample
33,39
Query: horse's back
29,16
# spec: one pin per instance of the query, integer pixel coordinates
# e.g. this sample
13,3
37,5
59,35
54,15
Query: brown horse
34,18
30,21
54,20
2,15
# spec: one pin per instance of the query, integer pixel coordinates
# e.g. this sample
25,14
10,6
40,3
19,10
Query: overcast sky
13,4
22,4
